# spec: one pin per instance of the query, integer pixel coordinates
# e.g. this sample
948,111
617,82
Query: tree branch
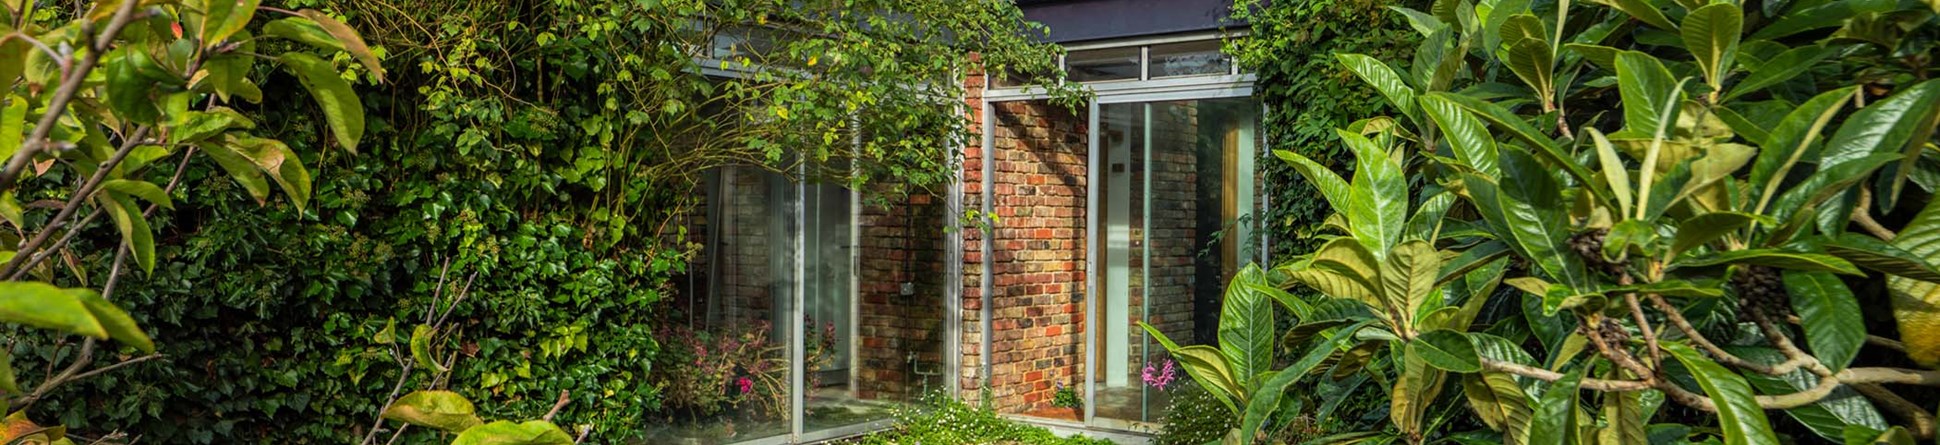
1551,376
1862,214
128,143
57,105
1922,422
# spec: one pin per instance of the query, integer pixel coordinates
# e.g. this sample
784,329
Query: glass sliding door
731,369
1176,198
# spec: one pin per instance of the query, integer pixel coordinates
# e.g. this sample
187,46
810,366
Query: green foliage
948,421
549,149
1193,417
1292,47
1647,214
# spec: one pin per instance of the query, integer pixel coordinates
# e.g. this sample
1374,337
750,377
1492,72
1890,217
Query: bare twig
1551,376
1922,421
563,400
57,105
128,144
1886,343
104,369
1862,214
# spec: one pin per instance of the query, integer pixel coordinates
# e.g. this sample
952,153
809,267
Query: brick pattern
902,242
1039,165
1171,242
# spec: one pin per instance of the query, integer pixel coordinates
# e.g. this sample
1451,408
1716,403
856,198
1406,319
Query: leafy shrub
945,420
1194,417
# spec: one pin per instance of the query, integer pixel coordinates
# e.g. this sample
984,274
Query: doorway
1175,196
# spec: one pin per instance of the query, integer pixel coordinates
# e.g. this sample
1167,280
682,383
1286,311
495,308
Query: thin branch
563,400
1922,421
104,369
1551,376
1862,214
1677,319
1886,343
57,105
128,144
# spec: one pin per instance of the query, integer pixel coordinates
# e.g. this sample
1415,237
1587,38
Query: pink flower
1160,376
746,384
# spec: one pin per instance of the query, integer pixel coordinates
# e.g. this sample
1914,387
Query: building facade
1030,278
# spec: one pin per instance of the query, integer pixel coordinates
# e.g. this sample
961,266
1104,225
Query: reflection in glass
1189,59
1177,187
1102,64
724,372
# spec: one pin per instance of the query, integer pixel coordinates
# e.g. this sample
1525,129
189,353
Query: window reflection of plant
736,370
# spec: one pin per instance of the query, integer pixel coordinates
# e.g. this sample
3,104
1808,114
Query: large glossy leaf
1642,10
145,190
1779,69
1408,276
1246,330
1739,415
1885,126
1331,186
1522,211
1916,304
1554,422
346,38
1647,89
1427,220
1448,350
1826,15
1266,399
1830,416
1471,259
1711,33
1378,196
1416,386
1782,259
303,30
1466,135
535,432
1871,253
1702,229
1623,414
1533,61
1614,172
1383,79
1206,366
1834,326
1794,137
439,410
340,106
1802,201
1500,403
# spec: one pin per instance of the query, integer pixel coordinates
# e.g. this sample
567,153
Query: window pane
1102,64
1189,59
725,373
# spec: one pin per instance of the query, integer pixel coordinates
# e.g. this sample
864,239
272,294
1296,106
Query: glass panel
875,304
726,374
1189,59
1124,143
1102,64
1191,188
1037,296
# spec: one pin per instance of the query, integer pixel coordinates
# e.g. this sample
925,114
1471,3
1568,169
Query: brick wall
902,242
1038,158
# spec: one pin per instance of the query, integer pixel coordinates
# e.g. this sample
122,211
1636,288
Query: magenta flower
746,384
1159,376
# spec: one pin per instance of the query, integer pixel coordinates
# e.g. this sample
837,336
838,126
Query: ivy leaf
348,39
1739,415
340,106
536,432
441,410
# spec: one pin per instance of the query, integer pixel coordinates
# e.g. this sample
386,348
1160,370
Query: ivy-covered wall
1308,93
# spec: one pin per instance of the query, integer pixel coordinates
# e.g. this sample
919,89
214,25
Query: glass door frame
1094,227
